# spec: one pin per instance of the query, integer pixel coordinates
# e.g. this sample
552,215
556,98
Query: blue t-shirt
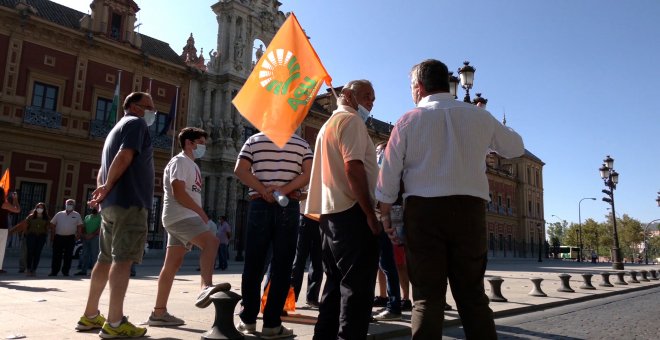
136,186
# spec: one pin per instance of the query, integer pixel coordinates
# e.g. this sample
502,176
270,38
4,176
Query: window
536,178
44,96
115,26
529,207
508,202
161,120
103,109
538,209
499,200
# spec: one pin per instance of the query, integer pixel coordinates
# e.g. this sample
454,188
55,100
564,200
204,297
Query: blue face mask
199,152
363,112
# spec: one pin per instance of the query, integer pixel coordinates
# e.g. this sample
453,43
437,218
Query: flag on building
5,181
112,116
169,119
280,90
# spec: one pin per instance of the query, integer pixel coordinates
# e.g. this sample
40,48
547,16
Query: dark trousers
350,261
268,225
388,266
35,244
62,253
446,239
223,255
308,245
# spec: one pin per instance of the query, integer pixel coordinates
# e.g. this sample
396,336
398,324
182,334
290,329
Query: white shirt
66,224
439,149
184,169
343,138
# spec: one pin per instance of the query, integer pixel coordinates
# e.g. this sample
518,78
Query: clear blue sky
576,78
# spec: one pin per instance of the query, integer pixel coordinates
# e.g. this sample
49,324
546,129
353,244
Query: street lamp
466,73
646,241
453,85
480,101
611,179
580,225
658,199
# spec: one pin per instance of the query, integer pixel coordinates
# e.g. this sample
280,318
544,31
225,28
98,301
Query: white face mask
40,210
199,152
149,117
363,112
69,207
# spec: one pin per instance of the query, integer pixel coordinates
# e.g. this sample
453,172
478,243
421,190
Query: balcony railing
38,116
161,141
100,128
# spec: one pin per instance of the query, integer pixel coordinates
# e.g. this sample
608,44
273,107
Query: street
627,316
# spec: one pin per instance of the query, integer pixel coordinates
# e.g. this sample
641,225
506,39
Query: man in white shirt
341,190
438,149
186,224
66,227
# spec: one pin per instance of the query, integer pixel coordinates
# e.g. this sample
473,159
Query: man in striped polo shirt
267,169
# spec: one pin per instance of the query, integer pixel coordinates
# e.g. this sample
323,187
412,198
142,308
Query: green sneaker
86,324
124,330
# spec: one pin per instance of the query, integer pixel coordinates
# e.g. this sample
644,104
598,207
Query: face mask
69,207
40,210
363,112
149,117
199,152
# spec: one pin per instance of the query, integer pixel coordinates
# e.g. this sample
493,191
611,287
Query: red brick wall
32,58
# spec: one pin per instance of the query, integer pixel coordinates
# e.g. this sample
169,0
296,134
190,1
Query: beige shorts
123,233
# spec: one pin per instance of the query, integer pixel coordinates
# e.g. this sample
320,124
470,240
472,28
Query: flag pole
332,88
150,80
176,101
119,98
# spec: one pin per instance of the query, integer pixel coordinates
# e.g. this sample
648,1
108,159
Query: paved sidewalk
48,308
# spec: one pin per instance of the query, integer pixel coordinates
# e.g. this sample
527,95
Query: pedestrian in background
6,207
35,231
438,150
223,235
341,191
90,236
66,227
124,193
308,245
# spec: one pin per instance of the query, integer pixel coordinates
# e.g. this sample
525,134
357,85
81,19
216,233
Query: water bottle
282,200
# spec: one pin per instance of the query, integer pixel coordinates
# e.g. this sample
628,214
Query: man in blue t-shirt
125,187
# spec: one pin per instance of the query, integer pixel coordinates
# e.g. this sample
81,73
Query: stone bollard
654,274
565,285
536,291
496,289
223,325
586,277
620,280
606,280
633,277
645,275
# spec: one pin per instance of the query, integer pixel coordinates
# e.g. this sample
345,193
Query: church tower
240,24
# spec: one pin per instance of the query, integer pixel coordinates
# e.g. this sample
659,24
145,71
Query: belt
294,195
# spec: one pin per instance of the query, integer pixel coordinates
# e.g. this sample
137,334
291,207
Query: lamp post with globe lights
580,225
611,179
646,234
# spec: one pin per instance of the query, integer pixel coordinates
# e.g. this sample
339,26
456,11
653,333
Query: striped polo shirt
272,165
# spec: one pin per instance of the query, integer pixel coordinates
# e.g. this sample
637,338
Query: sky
576,79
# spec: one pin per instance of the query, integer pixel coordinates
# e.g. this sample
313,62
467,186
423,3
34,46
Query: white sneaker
166,319
247,328
276,332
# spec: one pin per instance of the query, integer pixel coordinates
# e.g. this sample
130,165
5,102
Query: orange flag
280,90
5,181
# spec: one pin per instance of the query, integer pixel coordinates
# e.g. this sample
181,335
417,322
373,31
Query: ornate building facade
60,71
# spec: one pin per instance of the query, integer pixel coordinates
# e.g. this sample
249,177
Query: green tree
571,236
555,233
590,233
631,237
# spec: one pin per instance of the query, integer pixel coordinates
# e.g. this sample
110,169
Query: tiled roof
70,18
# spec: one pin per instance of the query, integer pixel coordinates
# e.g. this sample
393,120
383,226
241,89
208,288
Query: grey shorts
123,233
181,232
